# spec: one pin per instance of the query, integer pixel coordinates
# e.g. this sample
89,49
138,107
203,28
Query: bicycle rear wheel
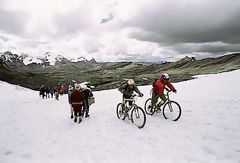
138,116
149,109
120,111
172,110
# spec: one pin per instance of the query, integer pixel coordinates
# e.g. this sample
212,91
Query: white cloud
136,29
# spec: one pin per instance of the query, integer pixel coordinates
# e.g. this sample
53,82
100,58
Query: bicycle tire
147,107
119,111
167,113
135,114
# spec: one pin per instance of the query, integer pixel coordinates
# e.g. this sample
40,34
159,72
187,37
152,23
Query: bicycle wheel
138,116
120,111
172,110
148,107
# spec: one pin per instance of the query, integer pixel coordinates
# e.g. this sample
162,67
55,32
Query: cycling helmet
165,76
131,82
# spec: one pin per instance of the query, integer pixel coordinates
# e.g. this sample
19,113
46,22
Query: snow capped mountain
79,59
45,60
40,130
28,60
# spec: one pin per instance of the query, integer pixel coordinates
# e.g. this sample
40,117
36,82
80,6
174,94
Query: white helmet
131,82
70,87
77,86
83,86
165,76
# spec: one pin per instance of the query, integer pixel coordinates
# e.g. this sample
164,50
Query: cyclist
128,89
158,88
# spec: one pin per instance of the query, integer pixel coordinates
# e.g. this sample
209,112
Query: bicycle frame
158,103
132,112
126,100
169,105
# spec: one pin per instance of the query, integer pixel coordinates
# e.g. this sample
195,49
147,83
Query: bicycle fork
136,112
170,107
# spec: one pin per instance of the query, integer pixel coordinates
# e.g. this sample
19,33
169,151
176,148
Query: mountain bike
171,109
133,112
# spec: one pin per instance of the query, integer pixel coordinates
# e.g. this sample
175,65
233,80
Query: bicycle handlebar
135,95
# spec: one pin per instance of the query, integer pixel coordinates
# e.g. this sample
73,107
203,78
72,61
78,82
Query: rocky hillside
111,75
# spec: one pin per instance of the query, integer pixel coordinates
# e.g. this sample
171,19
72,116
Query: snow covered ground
35,130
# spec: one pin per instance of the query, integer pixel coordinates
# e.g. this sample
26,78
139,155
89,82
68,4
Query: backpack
154,82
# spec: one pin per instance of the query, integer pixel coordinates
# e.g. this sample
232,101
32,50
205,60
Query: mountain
35,130
111,74
24,60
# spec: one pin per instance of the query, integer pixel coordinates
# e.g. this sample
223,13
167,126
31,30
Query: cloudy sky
114,30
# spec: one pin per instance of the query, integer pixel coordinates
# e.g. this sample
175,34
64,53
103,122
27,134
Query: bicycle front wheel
172,110
138,116
149,109
120,111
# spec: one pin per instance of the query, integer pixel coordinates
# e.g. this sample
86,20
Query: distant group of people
78,98
49,92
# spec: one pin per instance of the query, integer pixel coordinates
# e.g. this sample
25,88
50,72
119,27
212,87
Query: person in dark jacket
87,93
47,92
42,91
70,91
128,89
51,91
77,98
56,94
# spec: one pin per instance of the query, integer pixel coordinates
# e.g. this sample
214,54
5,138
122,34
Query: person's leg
154,98
84,109
163,98
126,97
127,104
75,113
87,109
80,113
71,111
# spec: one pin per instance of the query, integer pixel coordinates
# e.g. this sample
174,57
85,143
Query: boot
86,115
80,119
75,119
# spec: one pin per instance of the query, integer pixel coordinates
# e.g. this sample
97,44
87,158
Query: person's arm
137,91
122,88
171,86
90,93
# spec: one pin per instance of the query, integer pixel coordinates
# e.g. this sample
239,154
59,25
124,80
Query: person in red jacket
159,86
77,98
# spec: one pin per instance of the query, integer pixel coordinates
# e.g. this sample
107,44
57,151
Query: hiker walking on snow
87,94
47,92
61,90
77,98
51,91
56,94
70,91
42,91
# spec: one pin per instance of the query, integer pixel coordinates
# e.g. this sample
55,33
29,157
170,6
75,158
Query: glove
175,91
